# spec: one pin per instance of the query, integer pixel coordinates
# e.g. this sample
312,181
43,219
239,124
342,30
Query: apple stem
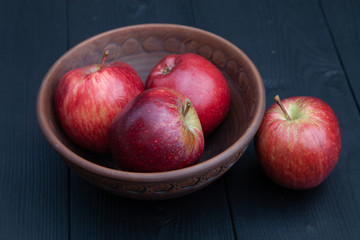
187,108
278,101
106,53
167,70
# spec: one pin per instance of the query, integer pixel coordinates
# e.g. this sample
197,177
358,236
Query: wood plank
33,181
97,214
97,17
291,45
343,19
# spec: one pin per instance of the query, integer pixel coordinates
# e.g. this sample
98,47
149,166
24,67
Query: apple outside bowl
142,46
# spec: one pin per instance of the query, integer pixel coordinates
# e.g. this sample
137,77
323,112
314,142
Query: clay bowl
142,46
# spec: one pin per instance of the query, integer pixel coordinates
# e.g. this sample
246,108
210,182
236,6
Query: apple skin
153,133
199,80
302,152
87,99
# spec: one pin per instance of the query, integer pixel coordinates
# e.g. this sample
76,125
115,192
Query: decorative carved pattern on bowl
160,188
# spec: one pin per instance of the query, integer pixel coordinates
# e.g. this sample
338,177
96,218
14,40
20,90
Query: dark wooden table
301,47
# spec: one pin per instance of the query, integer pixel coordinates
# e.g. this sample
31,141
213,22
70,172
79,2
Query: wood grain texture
300,47
96,214
343,20
88,18
33,182
203,215
291,45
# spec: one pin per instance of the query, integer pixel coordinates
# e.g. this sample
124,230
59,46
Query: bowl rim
144,177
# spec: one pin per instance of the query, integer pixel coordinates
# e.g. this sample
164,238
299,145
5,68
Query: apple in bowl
159,130
298,143
88,98
199,80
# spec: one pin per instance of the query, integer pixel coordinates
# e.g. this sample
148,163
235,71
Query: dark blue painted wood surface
300,48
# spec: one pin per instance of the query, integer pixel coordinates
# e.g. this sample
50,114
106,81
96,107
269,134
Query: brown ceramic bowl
142,46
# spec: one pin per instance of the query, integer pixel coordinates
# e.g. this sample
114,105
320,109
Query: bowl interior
142,47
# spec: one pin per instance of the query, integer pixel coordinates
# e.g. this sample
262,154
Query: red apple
200,81
158,130
87,99
299,142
